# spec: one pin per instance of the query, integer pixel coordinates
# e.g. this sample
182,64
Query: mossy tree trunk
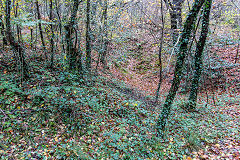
175,11
105,34
15,44
198,56
73,56
40,29
184,39
52,34
19,30
2,30
160,54
88,37
176,18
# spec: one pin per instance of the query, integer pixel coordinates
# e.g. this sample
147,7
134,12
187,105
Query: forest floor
58,115
225,95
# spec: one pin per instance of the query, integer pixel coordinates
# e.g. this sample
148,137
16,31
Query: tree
40,28
52,34
15,45
175,10
19,32
88,37
198,56
160,54
176,18
72,51
184,39
2,28
103,51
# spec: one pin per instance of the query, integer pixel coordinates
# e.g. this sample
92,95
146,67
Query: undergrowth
65,116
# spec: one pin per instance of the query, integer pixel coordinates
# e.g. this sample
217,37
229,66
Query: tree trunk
72,52
88,39
40,29
189,69
105,34
160,54
60,26
198,57
2,28
31,30
19,34
52,36
15,45
2,31
176,18
184,39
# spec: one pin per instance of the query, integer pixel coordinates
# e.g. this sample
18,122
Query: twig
149,18
209,66
30,110
235,5
172,54
236,57
3,113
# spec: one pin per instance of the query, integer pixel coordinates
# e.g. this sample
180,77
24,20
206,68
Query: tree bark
40,29
184,39
198,57
88,39
105,34
2,30
160,55
60,26
176,18
31,30
19,32
175,10
72,51
52,36
15,45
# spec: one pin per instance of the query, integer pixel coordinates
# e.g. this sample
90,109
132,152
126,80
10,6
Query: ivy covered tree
16,46
73,55
88,36
183,46
191,106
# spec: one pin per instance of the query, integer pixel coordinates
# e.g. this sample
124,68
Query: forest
119,79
